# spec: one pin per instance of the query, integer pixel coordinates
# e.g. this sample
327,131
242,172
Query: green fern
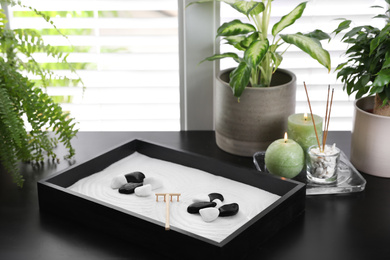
21,98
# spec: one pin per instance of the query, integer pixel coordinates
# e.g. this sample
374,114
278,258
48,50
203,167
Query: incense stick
312,118
326,119
327,123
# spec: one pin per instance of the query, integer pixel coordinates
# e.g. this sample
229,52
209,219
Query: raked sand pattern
176,178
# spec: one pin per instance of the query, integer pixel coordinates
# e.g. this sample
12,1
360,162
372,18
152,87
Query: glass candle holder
321,166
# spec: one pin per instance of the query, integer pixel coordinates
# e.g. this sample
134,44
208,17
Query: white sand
176,178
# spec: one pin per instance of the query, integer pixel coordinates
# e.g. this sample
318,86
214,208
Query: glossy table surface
348,226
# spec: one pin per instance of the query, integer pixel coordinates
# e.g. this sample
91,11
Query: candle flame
285,137
305,116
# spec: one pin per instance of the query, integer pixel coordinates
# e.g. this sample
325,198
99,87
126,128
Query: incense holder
322,164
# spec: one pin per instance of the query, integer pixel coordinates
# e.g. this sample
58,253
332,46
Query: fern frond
20,98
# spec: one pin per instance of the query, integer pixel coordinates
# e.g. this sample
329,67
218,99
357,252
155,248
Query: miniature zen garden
194,200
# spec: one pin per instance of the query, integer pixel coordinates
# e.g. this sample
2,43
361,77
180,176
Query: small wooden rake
167,198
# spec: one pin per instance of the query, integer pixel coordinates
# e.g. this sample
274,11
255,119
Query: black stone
228,210
129,188
195,207
214,196
135,177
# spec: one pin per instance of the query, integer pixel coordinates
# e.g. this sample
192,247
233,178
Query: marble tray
348,179
56,199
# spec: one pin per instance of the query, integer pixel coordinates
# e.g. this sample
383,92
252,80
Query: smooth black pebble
228,210
195,207
214,196
135,177
129,188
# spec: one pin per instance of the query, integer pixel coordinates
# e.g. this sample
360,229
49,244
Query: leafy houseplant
367,71
368,67
21,99
266,93
261,55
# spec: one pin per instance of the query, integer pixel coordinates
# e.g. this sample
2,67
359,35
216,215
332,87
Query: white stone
154,182
201,198
219,203
118,181
209,214
143,191
324,162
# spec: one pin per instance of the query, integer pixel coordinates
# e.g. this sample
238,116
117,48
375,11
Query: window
125,51
127,54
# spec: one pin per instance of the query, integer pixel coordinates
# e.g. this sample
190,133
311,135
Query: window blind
317,15
126,53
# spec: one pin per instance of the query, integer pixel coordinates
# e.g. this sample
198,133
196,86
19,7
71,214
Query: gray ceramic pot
245,127
370,140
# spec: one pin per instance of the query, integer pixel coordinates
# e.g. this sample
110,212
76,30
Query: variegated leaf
258,9
239,78
277,59
236,41
289,19
256,52
235,27
248,40
310,46
223,55
233,40
246,7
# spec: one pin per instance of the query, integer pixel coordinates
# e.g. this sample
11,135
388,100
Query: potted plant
265,93
27,113
367,72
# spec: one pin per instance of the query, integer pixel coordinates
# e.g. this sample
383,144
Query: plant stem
265,79
264,29
266,65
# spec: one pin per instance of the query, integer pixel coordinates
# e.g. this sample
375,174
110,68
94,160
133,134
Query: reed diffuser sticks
312,117
327,117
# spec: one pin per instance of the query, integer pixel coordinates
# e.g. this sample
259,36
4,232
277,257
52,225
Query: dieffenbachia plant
261,54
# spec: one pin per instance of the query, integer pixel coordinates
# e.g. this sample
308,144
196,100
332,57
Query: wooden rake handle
167,199
167,212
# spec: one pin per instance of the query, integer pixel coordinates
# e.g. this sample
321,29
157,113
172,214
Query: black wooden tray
55,198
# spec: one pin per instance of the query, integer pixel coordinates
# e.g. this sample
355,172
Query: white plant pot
370,144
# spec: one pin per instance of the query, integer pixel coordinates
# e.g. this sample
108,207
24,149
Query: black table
349,226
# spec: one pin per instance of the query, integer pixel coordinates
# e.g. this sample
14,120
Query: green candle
285,158
301,129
